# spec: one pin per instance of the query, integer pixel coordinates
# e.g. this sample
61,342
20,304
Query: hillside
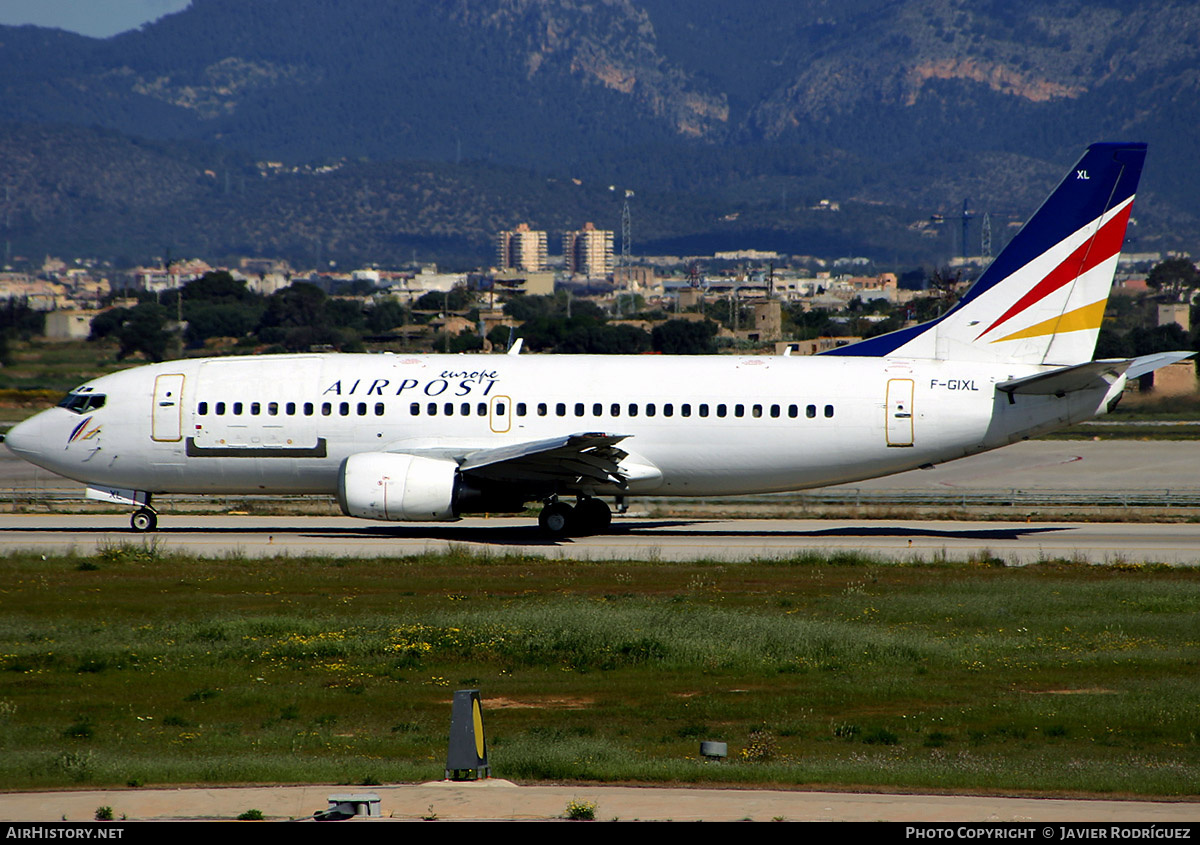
728,121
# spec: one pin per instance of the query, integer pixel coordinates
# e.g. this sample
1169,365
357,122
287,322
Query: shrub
761,748
581,810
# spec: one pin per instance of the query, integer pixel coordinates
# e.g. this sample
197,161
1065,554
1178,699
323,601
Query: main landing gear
589,516
144,520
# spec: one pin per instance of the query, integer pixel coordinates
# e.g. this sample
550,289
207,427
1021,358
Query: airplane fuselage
697,425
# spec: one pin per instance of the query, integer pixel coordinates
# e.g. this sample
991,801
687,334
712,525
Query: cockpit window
82,403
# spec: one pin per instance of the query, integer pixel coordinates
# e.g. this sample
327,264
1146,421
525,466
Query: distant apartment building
178,274
37,294
588,252
521,249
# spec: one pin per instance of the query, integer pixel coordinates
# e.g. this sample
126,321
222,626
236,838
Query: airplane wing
588,456
571,460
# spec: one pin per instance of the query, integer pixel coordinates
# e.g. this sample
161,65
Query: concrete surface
631,539
501,800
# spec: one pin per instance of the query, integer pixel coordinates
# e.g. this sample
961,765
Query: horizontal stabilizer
1092,374
1066,379
1150,363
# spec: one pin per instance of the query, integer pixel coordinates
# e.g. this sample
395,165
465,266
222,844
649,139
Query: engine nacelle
398,487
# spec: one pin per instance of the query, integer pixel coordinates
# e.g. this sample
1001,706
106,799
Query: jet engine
398,487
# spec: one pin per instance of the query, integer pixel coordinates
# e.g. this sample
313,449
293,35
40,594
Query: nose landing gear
144,520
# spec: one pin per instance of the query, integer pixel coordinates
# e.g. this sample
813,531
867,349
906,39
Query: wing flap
573,459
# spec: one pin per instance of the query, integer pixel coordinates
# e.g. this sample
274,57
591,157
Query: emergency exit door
900,412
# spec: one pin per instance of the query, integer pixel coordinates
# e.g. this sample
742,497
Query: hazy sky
98,18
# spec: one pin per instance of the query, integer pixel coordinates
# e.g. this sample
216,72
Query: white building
589,252
521,249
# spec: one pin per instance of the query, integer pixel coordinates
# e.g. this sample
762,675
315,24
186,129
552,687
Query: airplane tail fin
1042,299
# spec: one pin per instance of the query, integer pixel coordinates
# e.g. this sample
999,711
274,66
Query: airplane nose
23,437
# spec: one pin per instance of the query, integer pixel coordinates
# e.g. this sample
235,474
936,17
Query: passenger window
379,409
481,409
579,409
344,409
273,409
220,409
720,410
615,409
202,408
415,409
326,409
291,409
255,409
829,410
756,411
362,409
685,410
541,409
520,409
308,409
739,410
810,411
793,411
597,409
465,410
650,409
431,409
704,410
668,410
774,411
560,409
633,410
237,409
500,409
449,409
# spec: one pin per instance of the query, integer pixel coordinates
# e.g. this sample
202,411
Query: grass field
137,667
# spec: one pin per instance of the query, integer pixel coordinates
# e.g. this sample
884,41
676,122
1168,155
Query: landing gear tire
556,519
592,516
143,520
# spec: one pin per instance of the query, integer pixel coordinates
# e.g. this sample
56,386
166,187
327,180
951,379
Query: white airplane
430,437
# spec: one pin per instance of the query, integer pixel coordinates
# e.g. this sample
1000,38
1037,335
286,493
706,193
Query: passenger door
167,415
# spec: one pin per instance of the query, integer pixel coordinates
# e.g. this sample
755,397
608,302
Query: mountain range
427,125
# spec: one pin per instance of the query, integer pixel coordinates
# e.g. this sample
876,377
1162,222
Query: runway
631,538
1079,466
